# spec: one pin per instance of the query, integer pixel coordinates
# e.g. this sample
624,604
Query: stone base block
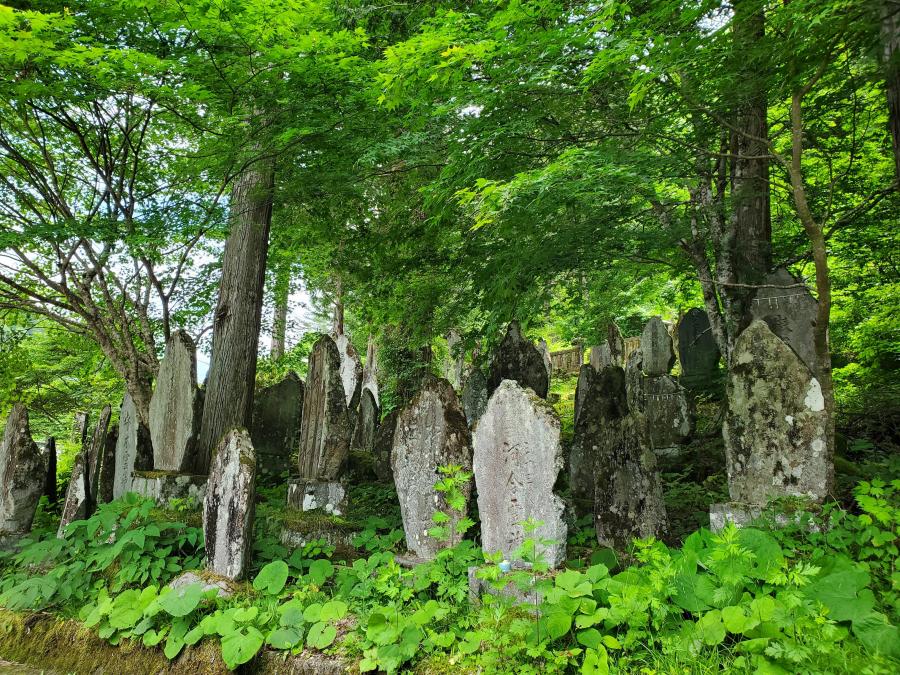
225,588
163,486
299,528
479,587
743,515
312,495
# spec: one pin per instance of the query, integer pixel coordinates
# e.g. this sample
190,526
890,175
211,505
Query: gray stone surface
610,352
431,432
656,347
224,587
698,352
635,381
108,467
351,370
76,505
275,429
517,458
366,424
544,349
80,426
165,486
96,453
628,500
174,407
586,376
454,363
49,455
516,358
327,427
23,472
790,311
311,495
383,447
743,515
474,395
669,413
228,506
133,448
775,423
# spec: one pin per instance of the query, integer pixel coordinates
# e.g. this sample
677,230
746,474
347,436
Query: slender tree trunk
337,321
235,341
890,39
279,321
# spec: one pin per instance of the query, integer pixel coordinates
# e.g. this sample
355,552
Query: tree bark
890,39
279,320
232,370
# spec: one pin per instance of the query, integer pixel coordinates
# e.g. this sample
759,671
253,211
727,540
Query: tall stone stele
517,458
610,352
627,498
775,427
656,347
516,358
474,395
133,448
277,416
366,423
228,506
23,472
82,493
698,352
175,408
324,435
431,432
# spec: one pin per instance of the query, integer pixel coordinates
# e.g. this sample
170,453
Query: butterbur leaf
558,624
245,614
320,570
173,646
321,635
291,613
596,662
312,612
284,638
272,578
241,646
333,610
710,628
591,638
152,637
182,601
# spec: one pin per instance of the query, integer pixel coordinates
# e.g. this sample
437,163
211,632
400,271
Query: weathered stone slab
23,472
431,432
455,363
312,495
544,349
585,378
635,381
474,395
95,456
775,423
383,447
164,486
80,427
275,429
228,506
790,311
174,407
601,402
108,467
298,530
669,413
49,454
610,352
518,359
351,370
517,458
76,505
366,424
656,346
628,500
134,450
697,351
327,428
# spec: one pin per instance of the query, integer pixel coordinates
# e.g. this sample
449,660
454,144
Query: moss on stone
316,521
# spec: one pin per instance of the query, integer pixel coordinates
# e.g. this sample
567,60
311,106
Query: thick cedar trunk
890,39
232,370
279,321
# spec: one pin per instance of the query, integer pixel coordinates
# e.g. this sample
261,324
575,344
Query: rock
174,407
275,429
225,588
455,363
586,375
544,349
775,423
656,347
76,505
96,453
164,486
697,351
49,454
24,473
228,506
366,424
635,381
670,419
791,313
312,495
134,450
431,432
80,427
326,429
518,359
108,467
383,446
611,352
474,396
351,370
628,500
602,401
518,456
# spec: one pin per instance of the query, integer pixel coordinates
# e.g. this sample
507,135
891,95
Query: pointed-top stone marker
133,448
23,473
516,358
174,409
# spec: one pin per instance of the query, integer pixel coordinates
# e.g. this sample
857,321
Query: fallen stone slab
164,486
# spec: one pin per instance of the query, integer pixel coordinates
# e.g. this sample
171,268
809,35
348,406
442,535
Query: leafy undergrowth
820,595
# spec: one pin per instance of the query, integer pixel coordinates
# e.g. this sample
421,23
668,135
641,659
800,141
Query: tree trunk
752,245
232,370
337,320
890,38
279,321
